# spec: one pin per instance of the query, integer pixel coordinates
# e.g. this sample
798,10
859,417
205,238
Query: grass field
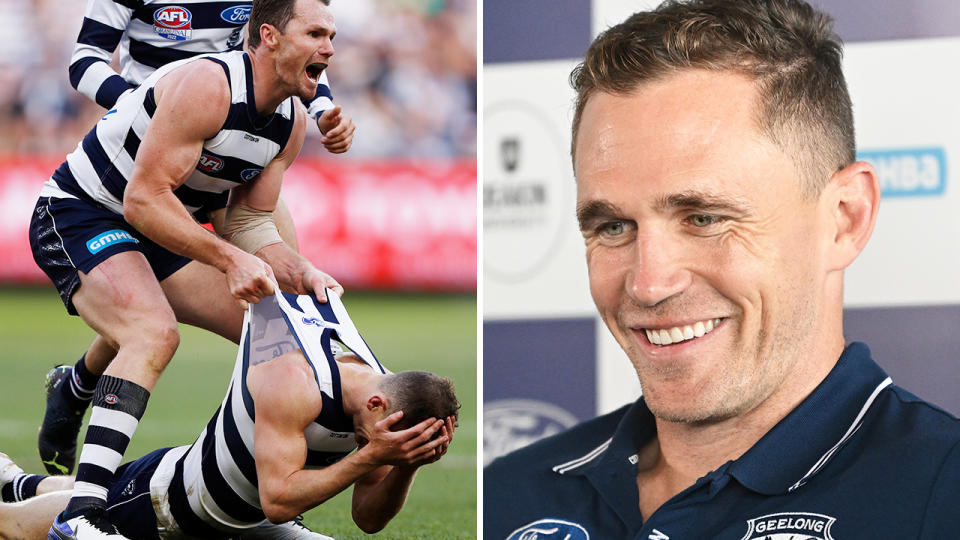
431,332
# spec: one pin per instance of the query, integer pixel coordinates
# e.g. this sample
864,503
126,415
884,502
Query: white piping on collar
583,460
857,422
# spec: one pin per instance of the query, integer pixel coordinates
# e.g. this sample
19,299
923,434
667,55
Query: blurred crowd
405,70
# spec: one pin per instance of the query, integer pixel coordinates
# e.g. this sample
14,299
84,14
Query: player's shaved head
276,13
420,395
788,48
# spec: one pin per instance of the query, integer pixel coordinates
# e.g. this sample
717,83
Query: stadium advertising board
380,224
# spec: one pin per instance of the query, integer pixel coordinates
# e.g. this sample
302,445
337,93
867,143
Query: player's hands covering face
411,447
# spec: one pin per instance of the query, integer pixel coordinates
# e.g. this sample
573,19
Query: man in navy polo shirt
720,201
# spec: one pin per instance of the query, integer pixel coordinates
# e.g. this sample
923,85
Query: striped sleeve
322,100
102,29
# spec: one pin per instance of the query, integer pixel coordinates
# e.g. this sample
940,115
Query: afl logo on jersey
173,23
111,399
236,14
209,163
249,174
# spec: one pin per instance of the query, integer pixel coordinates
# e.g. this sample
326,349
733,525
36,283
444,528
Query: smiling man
720,202
114,227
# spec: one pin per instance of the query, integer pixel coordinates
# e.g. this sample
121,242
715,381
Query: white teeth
668,336
676,335
665,338
653,336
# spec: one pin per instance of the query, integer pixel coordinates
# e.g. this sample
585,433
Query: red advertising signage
382,224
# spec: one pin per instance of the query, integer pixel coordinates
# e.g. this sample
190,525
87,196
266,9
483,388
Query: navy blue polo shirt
859,458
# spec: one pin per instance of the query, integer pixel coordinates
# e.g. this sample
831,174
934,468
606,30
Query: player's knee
167,339
366,524
160,341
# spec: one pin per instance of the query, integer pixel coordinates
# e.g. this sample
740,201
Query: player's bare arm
286,488
90,71
192,105
380,495
337,128
293,272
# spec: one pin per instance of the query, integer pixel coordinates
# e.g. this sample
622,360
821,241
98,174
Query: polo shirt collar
801,444
784,459
611,466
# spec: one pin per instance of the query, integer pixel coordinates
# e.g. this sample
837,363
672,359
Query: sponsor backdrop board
902,295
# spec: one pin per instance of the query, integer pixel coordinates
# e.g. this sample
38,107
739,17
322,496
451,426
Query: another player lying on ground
279,444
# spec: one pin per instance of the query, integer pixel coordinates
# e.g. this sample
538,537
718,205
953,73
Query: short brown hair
420,395
788,48
276,13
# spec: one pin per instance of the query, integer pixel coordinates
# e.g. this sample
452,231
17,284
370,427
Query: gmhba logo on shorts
102,240
790,526
545,529
514,423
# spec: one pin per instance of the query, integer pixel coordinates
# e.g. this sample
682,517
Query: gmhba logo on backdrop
527,185
510,424
909,172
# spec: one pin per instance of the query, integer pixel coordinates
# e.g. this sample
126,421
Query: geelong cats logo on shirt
790,526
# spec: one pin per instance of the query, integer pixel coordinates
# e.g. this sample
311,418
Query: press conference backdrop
549,361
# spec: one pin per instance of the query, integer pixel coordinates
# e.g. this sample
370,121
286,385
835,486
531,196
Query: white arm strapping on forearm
250,229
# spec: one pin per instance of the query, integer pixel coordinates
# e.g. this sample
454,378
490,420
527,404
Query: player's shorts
68,236
129,505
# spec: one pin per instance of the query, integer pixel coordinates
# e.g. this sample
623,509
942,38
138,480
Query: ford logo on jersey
109,238
209,163
173,23
236,14
249,174
550,528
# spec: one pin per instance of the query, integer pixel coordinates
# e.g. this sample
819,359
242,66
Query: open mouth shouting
678,334
314,70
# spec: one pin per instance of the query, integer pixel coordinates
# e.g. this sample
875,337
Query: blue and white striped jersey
99,169
151,34
214,481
